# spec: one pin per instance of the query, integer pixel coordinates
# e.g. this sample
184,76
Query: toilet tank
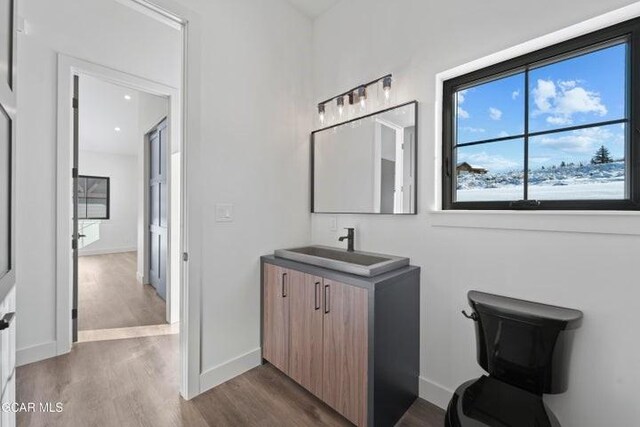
524,343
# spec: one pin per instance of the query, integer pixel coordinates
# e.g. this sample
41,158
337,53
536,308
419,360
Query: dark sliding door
158,206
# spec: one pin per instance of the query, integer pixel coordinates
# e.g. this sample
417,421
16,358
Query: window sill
597,222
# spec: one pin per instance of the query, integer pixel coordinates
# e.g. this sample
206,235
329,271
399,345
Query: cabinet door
305,349
275,345
345,358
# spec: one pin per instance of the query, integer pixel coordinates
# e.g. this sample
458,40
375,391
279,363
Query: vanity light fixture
321,113
386,86
359,91
362,97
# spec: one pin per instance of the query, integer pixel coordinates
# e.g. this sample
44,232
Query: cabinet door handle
327,297
316,295
284,292
6,320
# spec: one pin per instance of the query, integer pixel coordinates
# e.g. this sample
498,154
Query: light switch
224,212
333,223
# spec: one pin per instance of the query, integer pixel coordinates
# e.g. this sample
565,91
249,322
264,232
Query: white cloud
515,94
564,100
489,162
579,141
494,113
558,120
473,130
503,134
543,93
461,95
462,113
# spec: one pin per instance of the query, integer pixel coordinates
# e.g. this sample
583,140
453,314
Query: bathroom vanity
352,341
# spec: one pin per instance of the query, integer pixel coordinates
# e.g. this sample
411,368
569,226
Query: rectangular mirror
367,165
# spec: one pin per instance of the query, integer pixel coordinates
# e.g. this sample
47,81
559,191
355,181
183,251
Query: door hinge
74,313
74,103
74,172
185,256
74,244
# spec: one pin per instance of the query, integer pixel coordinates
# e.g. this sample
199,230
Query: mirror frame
415,160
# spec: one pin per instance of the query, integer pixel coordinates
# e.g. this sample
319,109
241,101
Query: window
548,130
93,197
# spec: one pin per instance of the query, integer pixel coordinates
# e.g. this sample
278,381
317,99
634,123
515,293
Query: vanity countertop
372,283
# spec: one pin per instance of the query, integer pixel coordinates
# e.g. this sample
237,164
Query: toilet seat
488,402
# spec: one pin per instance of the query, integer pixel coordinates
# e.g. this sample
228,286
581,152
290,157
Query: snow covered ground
572,182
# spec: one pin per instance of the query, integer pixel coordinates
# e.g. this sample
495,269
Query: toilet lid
490,402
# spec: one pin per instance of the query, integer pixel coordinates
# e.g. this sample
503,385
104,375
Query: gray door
158,149
7,145
76,190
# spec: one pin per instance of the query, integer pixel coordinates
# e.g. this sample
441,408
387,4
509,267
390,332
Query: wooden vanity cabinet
318,328
305,331
275,317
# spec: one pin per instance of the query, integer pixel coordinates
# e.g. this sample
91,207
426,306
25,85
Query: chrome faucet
350,238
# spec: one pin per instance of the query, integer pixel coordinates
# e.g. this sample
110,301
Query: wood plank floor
109,296
134,382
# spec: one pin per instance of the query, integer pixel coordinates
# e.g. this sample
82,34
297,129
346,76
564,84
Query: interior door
8,114
76,190
158,148
345,358
275,322
305,346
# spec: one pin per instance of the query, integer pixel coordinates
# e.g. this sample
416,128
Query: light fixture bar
386,78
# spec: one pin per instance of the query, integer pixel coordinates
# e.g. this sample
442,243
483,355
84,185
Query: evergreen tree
601,156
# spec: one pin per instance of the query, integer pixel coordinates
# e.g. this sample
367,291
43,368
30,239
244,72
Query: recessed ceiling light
117,129
127,97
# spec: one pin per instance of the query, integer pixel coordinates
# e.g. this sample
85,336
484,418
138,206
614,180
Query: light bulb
321,114
386,85
340,103
362,97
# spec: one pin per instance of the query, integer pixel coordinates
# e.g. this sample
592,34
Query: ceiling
313,8
103,108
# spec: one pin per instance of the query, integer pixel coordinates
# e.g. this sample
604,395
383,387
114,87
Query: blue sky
586,89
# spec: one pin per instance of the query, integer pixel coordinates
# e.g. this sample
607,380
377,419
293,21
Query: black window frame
629,30
108,198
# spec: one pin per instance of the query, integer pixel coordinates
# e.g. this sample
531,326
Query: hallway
111,297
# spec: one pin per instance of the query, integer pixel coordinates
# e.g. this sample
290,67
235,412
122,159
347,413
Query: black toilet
525,348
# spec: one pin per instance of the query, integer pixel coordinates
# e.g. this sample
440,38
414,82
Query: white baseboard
227,370
89,252
36,353
434,392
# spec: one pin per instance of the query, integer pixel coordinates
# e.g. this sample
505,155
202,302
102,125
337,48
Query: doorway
119,273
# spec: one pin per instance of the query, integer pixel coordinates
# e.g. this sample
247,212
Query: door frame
189,298
68,67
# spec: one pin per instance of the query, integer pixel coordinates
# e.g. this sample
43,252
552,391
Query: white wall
253,152
344,169
119,232
101,31
414,40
